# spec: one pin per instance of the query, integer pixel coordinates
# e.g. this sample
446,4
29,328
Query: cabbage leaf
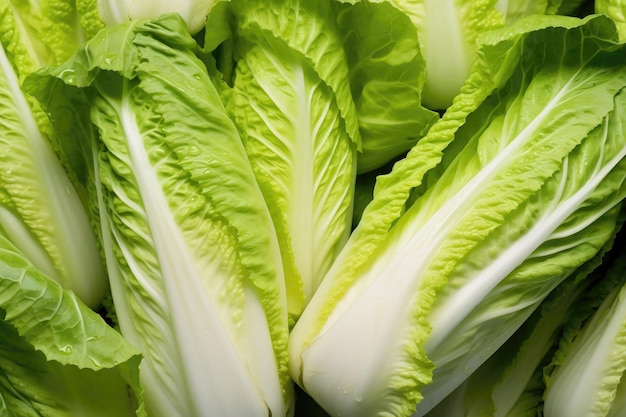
387,75
510,383
616,10
57,357
49,30
291,100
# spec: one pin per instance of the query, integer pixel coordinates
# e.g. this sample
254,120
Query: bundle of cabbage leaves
312,208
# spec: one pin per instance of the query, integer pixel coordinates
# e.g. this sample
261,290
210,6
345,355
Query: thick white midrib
215,379
455,308
424,237
392,283
151,378
113,12
80,265
439,17
300,192
591,353
511,387
301,211
446,53
326,239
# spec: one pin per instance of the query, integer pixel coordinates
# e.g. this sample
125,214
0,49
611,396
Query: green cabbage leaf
387,73
616,10
49,30
57,357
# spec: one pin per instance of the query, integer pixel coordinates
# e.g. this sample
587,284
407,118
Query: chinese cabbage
191,251
41,210
502,200
293,106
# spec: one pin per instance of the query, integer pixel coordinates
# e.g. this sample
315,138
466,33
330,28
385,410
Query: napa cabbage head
503,199
194,264
309,91
291,101
41,207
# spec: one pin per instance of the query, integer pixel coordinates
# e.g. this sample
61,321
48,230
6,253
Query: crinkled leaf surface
57,357
40,209
190,246
586,373
48,29
509,383
504,198
292,103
